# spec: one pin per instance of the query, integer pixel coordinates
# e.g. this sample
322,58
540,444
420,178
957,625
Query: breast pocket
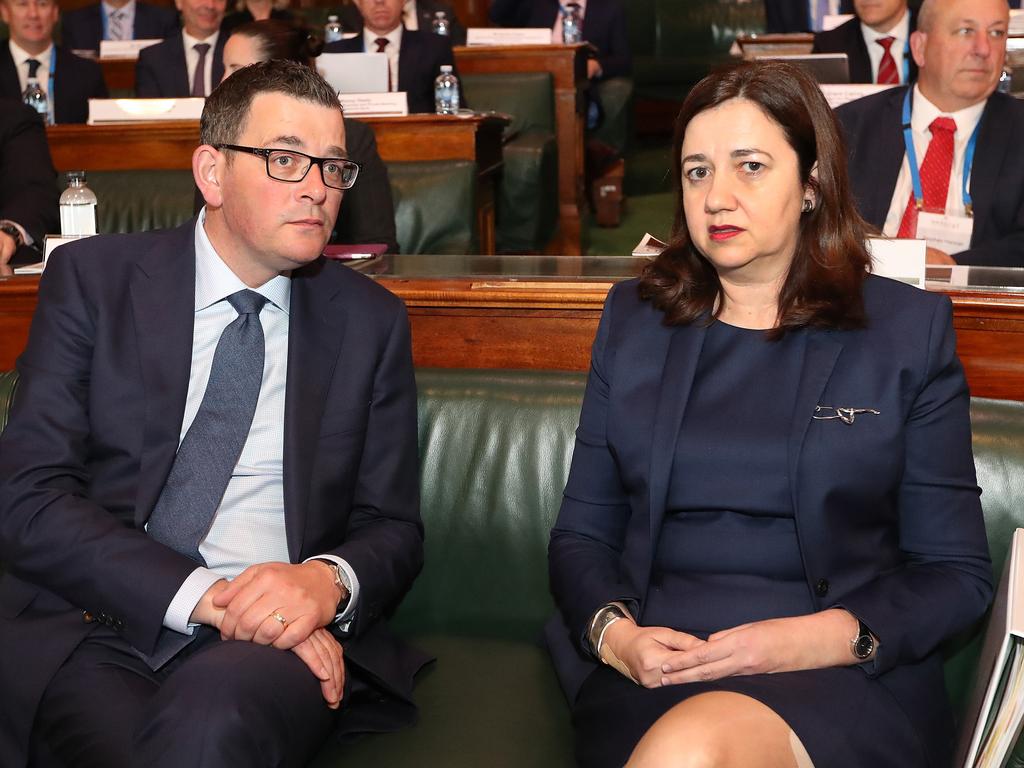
341,421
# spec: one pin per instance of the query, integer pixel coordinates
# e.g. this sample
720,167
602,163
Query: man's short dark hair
227,108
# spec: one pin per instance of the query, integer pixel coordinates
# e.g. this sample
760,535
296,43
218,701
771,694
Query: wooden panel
119,75
775,44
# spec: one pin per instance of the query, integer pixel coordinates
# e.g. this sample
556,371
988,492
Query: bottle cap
74,176
332,18
446,67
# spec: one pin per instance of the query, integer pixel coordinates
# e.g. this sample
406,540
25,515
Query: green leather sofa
495,448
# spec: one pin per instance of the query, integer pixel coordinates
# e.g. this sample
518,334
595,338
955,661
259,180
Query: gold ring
278,617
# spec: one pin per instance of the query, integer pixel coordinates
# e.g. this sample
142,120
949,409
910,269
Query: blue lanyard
906,61
106,22
915,173
49,89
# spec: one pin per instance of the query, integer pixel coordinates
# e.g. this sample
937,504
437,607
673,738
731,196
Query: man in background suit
84,28
876,41
208,484
416,15
414,58
189,64
30,52
959,47
28,188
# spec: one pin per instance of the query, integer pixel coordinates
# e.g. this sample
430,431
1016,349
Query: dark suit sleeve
28,190
614,54
947,581
586,544
367,212
1007,251
147,81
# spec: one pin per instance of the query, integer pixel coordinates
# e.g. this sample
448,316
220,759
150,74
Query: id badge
951,234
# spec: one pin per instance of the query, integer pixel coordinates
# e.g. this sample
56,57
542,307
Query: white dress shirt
248,526
556,30
899,46
21,57
394,48
923,113
192,59
127,12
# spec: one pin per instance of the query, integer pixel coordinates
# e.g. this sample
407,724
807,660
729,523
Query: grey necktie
210,449
117,26
199,79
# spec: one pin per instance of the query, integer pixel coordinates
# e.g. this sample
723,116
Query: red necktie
382,43
887,74
935,172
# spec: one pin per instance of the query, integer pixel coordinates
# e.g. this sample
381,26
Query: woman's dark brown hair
280,39
823,287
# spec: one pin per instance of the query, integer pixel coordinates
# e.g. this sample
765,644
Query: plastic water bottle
77,207
446,92
1005,80
332,30
441,24
572,25
35,98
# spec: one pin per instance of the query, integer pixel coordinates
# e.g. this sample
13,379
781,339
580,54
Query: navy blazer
75,80
95,426
875,149
419,63
604,27
849,39
82,29
161,71
887,508
28,182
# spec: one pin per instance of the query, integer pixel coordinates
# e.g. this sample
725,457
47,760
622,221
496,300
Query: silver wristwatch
604,618
339,581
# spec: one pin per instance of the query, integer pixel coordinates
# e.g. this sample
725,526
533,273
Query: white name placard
833,20
508,36
1016,21
374,104
902,260
143,110
123,49
837,94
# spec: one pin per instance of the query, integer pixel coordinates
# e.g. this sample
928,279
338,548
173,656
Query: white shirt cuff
348,576
187,598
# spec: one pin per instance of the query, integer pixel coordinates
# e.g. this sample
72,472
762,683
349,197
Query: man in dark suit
208,484
959,72
876,41
84,28
414,58
28,189
68,81
416,15
186,64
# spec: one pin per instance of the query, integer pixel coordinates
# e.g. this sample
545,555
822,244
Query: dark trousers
217,704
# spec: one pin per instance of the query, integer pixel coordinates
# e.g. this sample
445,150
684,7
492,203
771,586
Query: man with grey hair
208,484
940,161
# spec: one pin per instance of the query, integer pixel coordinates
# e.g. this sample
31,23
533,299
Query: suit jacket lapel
884,158
217,73
177,69
163,305
10,86
993,145
316,327
408,62
860,60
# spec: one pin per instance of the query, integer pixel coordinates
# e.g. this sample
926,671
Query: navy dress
728,554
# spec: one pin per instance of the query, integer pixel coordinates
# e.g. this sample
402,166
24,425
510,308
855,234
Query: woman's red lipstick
718,234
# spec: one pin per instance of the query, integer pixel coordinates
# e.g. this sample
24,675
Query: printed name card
123,49
902,260
103,111
508,36
837,94
374,104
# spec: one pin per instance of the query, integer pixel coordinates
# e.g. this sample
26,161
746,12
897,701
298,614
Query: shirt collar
394,37
215,281
924,112
191,41
20,56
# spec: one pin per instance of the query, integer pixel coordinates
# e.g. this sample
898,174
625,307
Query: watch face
864,646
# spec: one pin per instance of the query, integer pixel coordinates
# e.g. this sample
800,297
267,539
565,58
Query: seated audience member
208,483
28,186
414,58
416,15
187,64
367,212
69,81
798,15
971,210
255,10
794,618
876,40
84,28
604,27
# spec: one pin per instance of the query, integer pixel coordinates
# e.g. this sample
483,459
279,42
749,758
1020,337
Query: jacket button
87,617
821,588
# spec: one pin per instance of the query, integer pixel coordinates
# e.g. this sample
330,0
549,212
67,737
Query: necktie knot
247,302
886,42
382,43
33,66
570,7
201,48
942,125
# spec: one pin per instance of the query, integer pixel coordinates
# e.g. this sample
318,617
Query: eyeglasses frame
265,152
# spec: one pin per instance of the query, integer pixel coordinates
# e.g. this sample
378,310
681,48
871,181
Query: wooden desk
169,146
568,67
119,74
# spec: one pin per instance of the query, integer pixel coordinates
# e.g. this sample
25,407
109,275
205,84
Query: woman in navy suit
771,523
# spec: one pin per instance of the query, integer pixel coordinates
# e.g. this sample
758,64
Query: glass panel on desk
967,278
553,268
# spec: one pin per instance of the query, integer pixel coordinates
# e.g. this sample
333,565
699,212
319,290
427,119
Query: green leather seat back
434,206
137,201
528,97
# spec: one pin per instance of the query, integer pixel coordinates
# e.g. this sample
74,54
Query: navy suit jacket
94,429
847,38
604,27
82,29
875,148
28,182
75,80
419,63
887,508
161,71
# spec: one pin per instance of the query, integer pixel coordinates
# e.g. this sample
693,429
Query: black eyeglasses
291,166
